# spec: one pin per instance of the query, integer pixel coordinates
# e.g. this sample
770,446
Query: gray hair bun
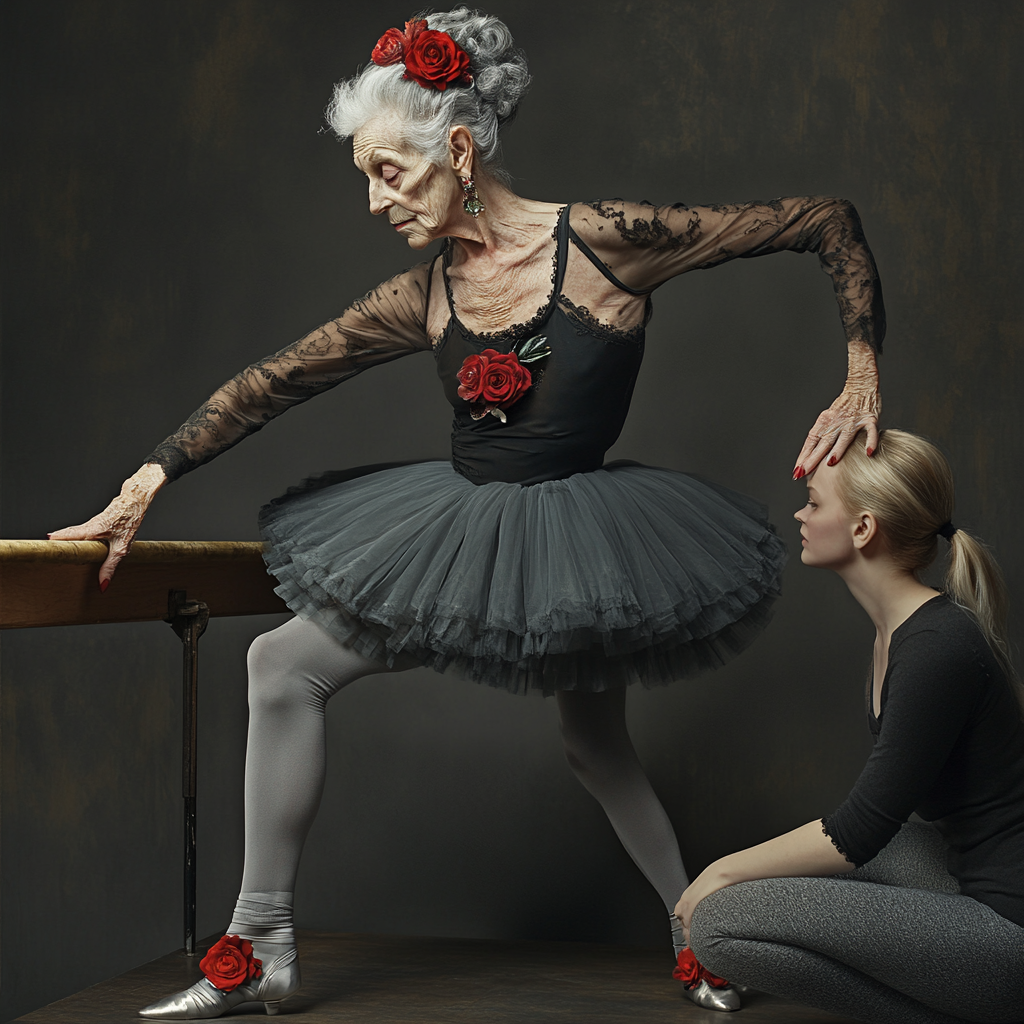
500,74
500,79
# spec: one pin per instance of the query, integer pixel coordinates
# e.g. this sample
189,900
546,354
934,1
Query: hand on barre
118,523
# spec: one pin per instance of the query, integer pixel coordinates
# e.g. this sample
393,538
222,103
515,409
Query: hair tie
947,529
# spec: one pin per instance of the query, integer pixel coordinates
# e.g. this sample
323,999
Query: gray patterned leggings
892,942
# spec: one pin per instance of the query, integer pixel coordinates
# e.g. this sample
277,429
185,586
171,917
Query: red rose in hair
471,377
413,29
504,378
230,963
389,48
436,61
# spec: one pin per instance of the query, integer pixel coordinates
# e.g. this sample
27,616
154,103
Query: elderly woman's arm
387,323
645,245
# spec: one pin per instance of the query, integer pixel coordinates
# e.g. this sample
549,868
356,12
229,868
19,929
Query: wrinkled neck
508,224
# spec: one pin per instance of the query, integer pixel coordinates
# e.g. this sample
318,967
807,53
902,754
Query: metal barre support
189,619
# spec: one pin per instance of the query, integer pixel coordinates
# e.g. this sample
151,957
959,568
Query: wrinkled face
421,200
826,528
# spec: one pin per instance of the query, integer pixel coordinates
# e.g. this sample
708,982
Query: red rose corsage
492,380
230,963
689,971
433,59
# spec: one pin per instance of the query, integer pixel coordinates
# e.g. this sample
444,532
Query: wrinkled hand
856,409
120,520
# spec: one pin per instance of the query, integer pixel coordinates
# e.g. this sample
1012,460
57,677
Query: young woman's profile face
826,528
419,198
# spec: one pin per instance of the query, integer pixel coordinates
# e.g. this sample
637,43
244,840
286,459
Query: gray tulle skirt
622,575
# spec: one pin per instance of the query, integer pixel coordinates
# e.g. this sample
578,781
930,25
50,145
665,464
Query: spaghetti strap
430,282
592,256
446,258
562,250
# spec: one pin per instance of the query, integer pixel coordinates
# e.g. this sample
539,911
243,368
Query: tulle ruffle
622,575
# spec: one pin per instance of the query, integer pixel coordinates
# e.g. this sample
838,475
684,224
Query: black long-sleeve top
949,744
641,245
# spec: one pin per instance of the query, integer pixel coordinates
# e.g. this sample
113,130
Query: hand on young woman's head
856,409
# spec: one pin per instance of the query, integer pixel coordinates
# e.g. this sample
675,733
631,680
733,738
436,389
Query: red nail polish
799,473
832,461
871,451
103,586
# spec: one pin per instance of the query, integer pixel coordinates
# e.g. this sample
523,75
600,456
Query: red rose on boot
691,973
436,61
230,963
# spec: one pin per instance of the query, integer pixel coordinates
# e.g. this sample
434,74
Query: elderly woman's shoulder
615,224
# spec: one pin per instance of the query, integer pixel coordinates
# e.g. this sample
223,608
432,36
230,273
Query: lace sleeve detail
645,245
386,323
827,829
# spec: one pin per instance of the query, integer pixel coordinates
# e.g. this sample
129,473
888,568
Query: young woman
524,562
921,924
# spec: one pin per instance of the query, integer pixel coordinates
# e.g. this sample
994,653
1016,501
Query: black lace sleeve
386,323
645,245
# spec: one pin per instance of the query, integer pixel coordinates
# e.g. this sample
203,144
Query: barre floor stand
53,583
189,620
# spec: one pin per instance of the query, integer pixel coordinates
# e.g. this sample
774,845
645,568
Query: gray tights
295,669
892,942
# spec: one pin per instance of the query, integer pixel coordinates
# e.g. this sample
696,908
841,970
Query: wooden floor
373,979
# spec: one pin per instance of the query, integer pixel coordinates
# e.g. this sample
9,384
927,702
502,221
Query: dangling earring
470,199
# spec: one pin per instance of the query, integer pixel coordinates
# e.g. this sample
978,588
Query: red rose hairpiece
433,59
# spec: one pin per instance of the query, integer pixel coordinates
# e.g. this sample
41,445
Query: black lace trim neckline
583,320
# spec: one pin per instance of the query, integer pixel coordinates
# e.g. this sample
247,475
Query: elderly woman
922,924
524,563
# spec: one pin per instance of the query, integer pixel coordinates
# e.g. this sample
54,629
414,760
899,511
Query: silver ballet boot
203,1000
710,998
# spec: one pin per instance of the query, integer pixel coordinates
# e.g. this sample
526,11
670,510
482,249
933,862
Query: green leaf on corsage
533,349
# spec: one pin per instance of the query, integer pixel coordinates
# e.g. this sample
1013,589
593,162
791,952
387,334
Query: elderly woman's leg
293,671
883,953
600,752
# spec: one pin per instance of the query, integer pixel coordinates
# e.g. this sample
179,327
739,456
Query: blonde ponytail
908,486
975,581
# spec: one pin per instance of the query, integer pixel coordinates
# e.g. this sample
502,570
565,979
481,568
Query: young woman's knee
712,929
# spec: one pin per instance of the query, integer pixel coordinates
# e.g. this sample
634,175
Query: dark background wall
173,211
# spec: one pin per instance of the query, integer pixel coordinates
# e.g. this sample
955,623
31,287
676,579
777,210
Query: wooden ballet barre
55,583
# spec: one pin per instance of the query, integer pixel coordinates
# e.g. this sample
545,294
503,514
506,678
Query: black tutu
624,574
